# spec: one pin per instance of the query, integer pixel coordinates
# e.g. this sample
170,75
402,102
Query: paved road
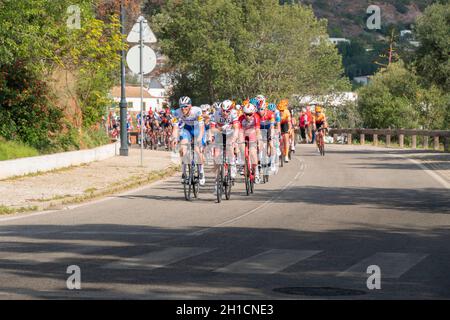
319,223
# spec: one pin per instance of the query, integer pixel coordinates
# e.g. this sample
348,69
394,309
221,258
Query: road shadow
195,277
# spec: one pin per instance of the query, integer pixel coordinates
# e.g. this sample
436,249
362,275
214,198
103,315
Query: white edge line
266,203
432,174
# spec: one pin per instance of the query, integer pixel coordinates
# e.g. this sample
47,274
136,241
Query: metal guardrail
437,136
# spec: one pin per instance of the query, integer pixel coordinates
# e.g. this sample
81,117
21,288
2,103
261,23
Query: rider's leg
183,152
286,147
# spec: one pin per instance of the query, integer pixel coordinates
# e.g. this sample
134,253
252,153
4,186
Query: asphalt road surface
311,232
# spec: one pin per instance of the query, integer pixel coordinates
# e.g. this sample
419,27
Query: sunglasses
185,106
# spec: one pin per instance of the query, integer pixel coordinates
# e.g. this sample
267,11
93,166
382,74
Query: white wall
23,166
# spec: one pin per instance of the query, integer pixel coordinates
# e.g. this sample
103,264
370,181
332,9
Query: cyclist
276,134
207,135
320,123
285,126
250,128
166,127
225,121
267,127
187,125
292,130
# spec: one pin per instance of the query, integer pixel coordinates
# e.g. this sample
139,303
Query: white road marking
157,259
392,264
265,204
432,174
268,262
32,258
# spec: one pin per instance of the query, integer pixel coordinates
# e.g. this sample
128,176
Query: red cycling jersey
250,125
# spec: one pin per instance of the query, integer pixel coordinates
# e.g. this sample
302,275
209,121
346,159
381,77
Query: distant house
133,96
336,41
158,93
404,33
362,79
334,100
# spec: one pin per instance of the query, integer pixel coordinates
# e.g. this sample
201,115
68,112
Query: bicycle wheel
195,181
247,175
228,183
252,183
219,184
187,185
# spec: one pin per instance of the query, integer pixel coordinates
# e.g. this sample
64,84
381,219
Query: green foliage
27,112
34,42
433,32
234,49
389,101
13,150
344,116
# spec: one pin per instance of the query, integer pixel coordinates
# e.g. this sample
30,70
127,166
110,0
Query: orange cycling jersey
285,116
320,119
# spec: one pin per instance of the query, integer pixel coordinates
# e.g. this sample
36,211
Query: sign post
141,60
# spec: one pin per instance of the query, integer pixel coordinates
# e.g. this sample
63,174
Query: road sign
148,62
147,33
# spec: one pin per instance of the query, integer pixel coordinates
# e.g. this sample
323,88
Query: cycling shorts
189,132
285,127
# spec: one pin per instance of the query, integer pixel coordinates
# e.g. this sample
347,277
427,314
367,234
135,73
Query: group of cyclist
267,128
225,127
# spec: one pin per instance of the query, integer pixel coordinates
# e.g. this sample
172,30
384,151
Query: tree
235,49
390,99
433,32
47,70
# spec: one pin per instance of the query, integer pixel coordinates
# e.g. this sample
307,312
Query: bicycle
249,174
265,162
191,182
321,141
281,144
224,182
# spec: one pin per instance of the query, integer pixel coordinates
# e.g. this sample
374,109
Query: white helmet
185,101
205,107
249,109
216,105
238,107
227,105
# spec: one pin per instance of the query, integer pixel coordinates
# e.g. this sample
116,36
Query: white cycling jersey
194,118
219,119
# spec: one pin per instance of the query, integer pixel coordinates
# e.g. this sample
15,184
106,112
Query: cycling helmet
238,107
254,101
205,107
262,106
216,105
272,106
283,105
185,101
227,105
261,101
318,109
249,108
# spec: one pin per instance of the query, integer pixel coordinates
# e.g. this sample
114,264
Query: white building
158,93
334,100
133,96
336,41
363,80
404,33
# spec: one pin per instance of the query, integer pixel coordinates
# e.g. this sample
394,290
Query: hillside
347,18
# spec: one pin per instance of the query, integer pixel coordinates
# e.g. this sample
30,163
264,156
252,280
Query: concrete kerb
115,188
40,164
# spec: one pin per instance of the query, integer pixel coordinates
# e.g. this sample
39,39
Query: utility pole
123,101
